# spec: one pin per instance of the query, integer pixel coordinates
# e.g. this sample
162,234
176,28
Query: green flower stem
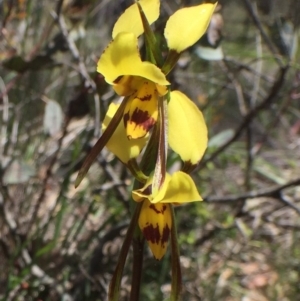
176,269
136,171
188,167
114,287
170,62
160,166
149,158
138,252
155,56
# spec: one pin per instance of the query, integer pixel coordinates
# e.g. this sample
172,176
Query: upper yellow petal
122,57
187,25
187,129
118,144
130,20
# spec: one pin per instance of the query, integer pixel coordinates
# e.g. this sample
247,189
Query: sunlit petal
187,128
118,144
130,20
141,112
122,57
187,25
155,222
180,189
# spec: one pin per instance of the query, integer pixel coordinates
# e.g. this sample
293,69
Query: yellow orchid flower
143,82
144,85
155,218
148,103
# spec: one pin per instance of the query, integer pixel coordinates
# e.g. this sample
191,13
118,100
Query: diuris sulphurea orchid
142,82
149,119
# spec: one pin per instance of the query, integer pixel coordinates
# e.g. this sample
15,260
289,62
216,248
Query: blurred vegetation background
58,243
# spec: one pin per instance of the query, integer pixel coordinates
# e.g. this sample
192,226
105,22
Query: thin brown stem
176,269
115,284
137,267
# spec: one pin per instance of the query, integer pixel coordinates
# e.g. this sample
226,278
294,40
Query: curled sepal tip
177,188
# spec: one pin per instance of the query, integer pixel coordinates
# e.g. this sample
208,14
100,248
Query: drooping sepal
187,128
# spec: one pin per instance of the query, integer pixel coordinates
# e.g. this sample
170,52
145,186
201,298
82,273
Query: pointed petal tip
79,178
130,20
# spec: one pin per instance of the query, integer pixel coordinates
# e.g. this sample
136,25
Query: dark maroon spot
148,190
154,208
157,211
165,235
145,98
142,118
152,234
